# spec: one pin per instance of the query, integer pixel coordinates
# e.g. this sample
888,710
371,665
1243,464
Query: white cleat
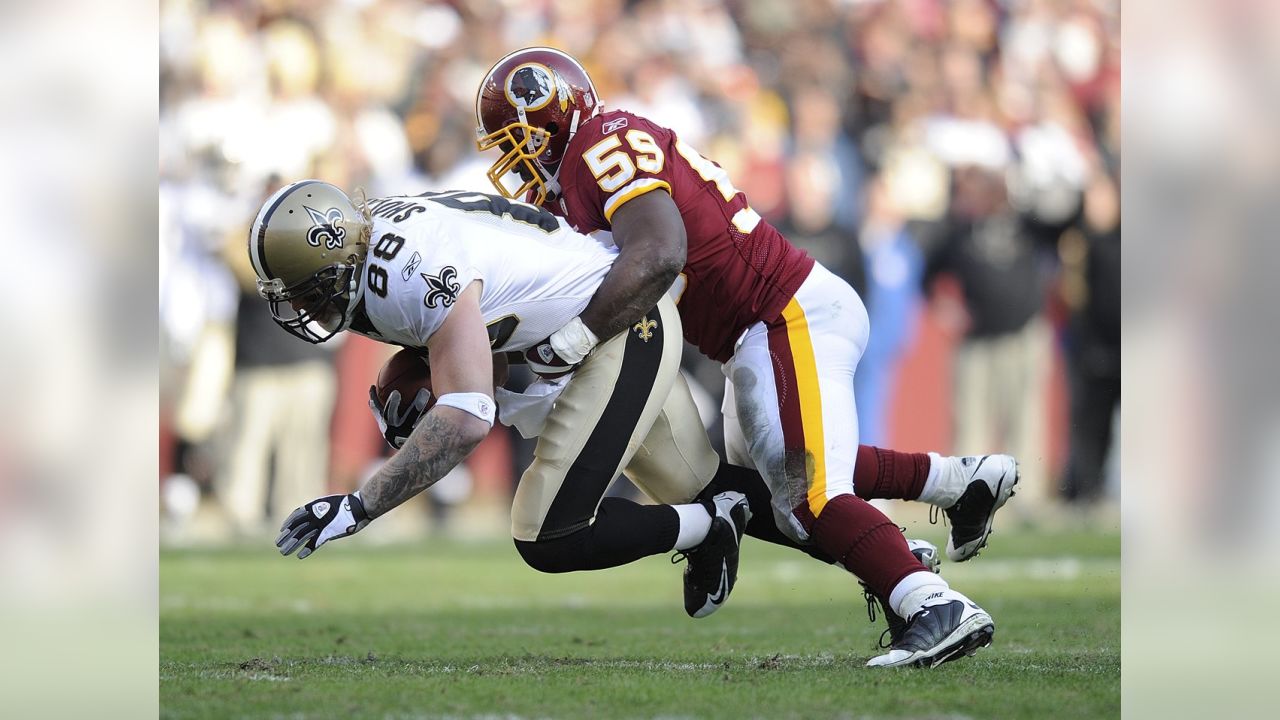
976,486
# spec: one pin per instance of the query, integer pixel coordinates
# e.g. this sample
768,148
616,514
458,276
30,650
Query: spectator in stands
281,404
1001,366
1090,254
895,270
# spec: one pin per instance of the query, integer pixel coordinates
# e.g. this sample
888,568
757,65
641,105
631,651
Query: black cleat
949,627
713,565
927,553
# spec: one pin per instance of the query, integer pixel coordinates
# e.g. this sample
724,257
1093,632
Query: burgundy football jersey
739,270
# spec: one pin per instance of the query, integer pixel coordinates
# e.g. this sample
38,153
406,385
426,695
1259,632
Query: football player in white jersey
462,275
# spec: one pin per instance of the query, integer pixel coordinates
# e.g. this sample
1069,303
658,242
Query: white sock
909,595
694,525
931,492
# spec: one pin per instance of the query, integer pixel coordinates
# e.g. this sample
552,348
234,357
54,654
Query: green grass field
467,631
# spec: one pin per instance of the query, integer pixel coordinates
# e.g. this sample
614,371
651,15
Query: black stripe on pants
596,465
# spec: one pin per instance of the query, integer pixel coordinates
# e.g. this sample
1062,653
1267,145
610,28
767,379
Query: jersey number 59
614,168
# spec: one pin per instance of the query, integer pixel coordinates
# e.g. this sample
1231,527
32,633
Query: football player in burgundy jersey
787,331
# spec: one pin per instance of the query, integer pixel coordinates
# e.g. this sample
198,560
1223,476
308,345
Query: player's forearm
443,439
632,287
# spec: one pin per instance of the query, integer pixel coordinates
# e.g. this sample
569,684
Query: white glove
321,520
563,350
574,341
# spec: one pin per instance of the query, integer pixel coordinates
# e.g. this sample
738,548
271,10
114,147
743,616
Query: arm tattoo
433,449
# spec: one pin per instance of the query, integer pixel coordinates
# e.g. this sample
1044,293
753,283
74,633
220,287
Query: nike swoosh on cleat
999,487
980,463
720,594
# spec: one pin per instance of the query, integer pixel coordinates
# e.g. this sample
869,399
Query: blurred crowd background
957,162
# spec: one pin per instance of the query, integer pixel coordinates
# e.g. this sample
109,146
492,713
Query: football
408,371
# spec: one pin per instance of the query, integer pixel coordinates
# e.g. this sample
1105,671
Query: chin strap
552,180
573,126
356,289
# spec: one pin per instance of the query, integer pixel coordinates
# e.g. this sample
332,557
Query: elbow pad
474,403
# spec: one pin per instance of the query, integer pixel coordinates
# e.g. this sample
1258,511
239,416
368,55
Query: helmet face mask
307,247
316,309
521,144
529,106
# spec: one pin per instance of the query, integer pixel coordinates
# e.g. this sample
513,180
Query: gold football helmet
307,246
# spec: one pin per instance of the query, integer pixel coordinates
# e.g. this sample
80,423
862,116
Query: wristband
474,403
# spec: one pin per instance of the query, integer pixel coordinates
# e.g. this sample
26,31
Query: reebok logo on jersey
614,125
413,264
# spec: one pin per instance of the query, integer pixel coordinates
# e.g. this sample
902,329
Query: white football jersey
537,273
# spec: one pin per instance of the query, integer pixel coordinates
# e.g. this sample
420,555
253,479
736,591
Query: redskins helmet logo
533,86
325,228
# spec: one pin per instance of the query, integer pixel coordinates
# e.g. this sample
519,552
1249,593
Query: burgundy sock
865,542
889,474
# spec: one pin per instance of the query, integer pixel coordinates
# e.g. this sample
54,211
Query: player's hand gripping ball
403,394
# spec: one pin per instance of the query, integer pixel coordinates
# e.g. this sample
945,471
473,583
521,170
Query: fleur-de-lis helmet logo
325,228
442,289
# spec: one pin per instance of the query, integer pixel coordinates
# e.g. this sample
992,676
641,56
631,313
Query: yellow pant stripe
810,403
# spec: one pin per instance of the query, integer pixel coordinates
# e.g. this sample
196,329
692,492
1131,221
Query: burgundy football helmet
529,105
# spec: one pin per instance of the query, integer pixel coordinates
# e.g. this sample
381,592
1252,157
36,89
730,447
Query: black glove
394,423
321,520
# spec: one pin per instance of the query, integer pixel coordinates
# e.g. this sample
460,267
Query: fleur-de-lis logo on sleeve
325,228
442,289
645,328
